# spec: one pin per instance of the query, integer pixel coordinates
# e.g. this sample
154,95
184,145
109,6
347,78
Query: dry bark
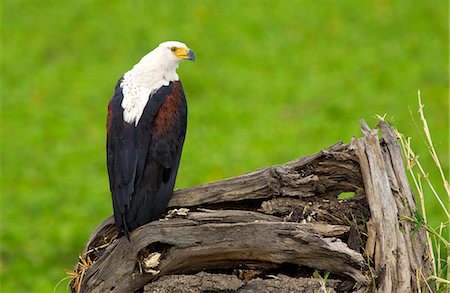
278,224
398,256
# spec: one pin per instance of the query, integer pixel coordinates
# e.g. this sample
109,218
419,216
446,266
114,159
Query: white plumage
154,70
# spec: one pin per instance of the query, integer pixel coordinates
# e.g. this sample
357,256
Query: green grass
273,80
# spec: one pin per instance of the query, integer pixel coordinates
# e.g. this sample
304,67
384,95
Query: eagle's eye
173,49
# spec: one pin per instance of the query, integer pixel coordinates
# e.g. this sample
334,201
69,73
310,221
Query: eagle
146,128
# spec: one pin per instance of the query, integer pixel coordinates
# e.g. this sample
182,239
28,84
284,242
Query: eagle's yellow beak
184,54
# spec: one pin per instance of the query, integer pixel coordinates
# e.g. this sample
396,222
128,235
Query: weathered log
398,256
331,171
275,217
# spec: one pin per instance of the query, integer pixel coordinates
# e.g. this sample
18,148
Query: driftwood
271,230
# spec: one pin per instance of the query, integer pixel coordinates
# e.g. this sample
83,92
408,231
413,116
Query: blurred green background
273,80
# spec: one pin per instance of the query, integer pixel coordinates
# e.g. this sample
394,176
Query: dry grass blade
438,250
69,277
414,161
83,264
411,159
434,236
431,146
440,280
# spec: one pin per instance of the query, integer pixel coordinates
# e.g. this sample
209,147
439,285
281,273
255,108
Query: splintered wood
277,229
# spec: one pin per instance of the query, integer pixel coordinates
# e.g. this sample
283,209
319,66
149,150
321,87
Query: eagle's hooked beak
190,55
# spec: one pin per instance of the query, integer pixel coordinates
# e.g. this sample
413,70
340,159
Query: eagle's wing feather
143,161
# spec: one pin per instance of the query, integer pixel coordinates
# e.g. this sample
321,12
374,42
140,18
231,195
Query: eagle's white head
156,69
162,63
173,52
164,59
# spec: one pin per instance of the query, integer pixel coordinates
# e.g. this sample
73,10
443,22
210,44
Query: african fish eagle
146,127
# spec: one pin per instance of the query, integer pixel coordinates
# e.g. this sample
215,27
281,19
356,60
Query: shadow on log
329,222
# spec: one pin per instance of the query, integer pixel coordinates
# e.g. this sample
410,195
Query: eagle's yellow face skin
181,53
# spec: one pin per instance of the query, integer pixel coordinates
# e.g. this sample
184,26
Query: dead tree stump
278,229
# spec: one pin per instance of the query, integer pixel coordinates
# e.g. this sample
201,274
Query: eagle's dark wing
143,160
